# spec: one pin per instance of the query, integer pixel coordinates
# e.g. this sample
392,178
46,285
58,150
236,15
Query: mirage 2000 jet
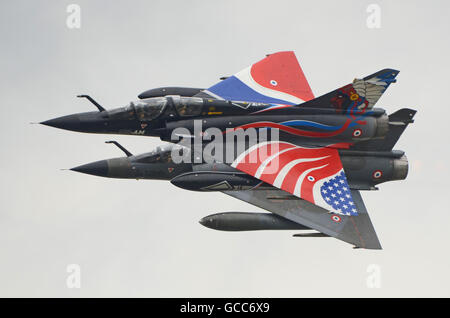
304,159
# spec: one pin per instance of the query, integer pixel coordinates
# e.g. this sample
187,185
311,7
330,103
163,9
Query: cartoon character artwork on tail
361,95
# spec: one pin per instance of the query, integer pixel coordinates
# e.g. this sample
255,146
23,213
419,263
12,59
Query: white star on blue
336,193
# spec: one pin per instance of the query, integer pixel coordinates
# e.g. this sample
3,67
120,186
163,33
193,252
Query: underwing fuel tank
244,221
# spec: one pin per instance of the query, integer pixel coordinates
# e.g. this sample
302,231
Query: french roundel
336,218
377,174
357,132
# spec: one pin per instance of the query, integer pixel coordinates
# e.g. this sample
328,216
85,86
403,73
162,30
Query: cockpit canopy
188,106
161,154
121,113
150,108
143,110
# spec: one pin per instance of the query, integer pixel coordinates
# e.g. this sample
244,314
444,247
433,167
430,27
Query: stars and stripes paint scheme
312,174
276,79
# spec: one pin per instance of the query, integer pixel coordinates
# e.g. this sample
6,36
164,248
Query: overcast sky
142,238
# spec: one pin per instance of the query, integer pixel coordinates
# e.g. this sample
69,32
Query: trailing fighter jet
302,158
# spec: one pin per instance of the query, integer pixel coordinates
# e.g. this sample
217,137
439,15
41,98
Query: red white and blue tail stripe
276,79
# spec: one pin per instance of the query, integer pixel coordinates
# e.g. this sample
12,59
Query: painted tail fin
398,121
357,97
278,79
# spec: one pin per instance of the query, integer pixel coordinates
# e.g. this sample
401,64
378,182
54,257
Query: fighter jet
326,149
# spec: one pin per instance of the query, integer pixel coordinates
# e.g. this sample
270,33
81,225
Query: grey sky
142,238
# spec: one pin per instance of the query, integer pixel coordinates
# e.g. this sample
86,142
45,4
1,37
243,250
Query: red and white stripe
298,170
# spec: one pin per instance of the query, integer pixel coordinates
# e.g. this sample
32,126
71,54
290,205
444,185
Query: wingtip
373,246
387,73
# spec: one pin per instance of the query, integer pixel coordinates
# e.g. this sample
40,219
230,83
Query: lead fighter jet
327,149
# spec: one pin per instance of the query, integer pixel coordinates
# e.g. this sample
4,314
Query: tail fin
398,122
278,79
358,96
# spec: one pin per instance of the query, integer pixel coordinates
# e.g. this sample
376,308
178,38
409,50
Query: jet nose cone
206,221
70,122
97,168
143,95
